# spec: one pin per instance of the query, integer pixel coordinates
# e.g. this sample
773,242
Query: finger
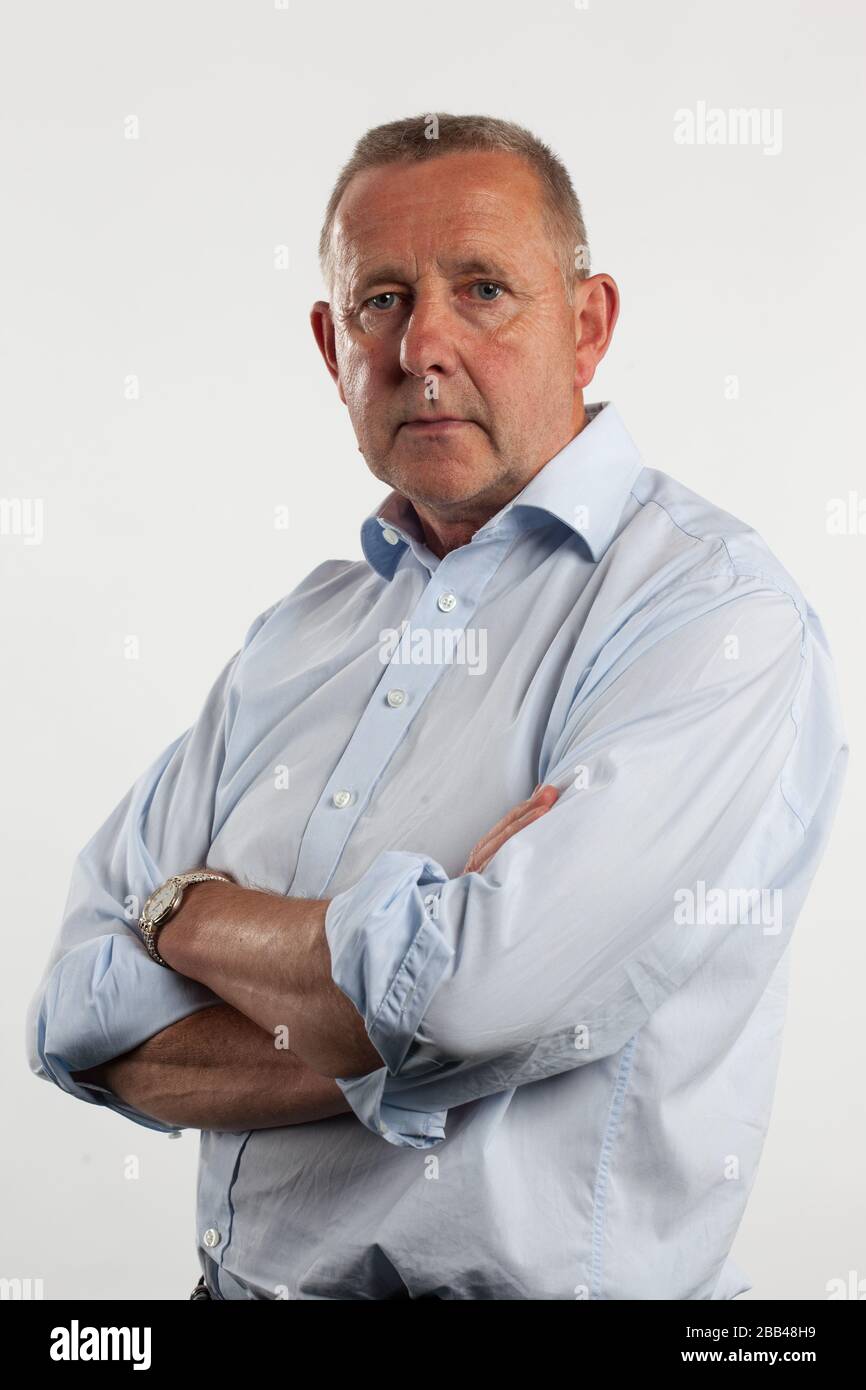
492,849
485,850
512,822
542,795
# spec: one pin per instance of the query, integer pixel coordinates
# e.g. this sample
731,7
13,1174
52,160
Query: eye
384,294
488,285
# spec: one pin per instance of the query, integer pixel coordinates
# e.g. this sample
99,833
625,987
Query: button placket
378,733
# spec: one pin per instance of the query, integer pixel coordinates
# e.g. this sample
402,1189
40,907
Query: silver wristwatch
164,903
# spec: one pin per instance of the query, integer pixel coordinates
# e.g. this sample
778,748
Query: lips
434,422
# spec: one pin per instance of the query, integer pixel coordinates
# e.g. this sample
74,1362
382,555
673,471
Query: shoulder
703,591
330,581
683,544
681,526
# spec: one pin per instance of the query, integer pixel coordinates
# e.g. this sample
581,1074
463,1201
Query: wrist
181,937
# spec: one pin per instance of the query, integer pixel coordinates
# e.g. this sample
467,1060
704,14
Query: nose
428,346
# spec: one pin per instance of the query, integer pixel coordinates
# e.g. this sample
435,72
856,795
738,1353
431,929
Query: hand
522,814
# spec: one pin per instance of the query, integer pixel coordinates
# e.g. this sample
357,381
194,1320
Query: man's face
448,301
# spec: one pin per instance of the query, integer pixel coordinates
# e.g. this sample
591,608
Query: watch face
160,901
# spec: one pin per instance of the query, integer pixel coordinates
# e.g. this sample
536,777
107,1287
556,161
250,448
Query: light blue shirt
580,1043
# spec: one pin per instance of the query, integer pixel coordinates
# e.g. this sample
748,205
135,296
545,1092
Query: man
544,1071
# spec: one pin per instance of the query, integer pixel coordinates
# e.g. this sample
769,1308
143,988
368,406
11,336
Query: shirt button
211,1237
446,602
395,697
390,536
341,798
430,902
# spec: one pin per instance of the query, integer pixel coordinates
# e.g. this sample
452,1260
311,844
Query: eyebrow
472,265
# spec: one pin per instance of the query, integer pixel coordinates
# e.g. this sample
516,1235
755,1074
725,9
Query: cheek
512,368
355,378
524,345
360,368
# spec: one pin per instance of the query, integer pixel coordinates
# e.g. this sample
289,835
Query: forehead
452,204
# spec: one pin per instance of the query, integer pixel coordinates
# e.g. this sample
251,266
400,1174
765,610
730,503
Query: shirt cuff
122,999
388,956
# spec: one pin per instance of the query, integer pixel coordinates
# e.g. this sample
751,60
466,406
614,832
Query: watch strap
151,930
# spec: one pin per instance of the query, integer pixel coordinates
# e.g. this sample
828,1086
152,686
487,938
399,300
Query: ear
323,331
596,310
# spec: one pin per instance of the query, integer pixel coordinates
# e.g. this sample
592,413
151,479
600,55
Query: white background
155,257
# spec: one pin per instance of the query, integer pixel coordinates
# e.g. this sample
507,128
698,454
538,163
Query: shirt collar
585,486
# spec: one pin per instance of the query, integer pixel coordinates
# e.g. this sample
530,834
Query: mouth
441,425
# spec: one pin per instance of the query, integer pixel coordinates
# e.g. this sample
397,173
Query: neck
446,531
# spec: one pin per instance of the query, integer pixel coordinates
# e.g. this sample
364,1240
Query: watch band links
151,930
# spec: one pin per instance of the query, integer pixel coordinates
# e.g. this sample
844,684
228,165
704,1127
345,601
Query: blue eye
375,301
488,285
385,294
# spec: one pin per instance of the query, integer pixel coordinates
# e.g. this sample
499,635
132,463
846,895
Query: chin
446,481
442,464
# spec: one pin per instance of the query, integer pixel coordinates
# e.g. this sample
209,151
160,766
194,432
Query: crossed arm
268,1055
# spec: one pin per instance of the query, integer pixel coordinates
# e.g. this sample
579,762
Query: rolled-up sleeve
388,956
701,761
101,995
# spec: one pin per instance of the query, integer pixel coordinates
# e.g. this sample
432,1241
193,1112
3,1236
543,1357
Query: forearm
268,956
216,1069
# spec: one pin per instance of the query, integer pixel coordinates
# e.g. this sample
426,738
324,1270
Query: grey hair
436,134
